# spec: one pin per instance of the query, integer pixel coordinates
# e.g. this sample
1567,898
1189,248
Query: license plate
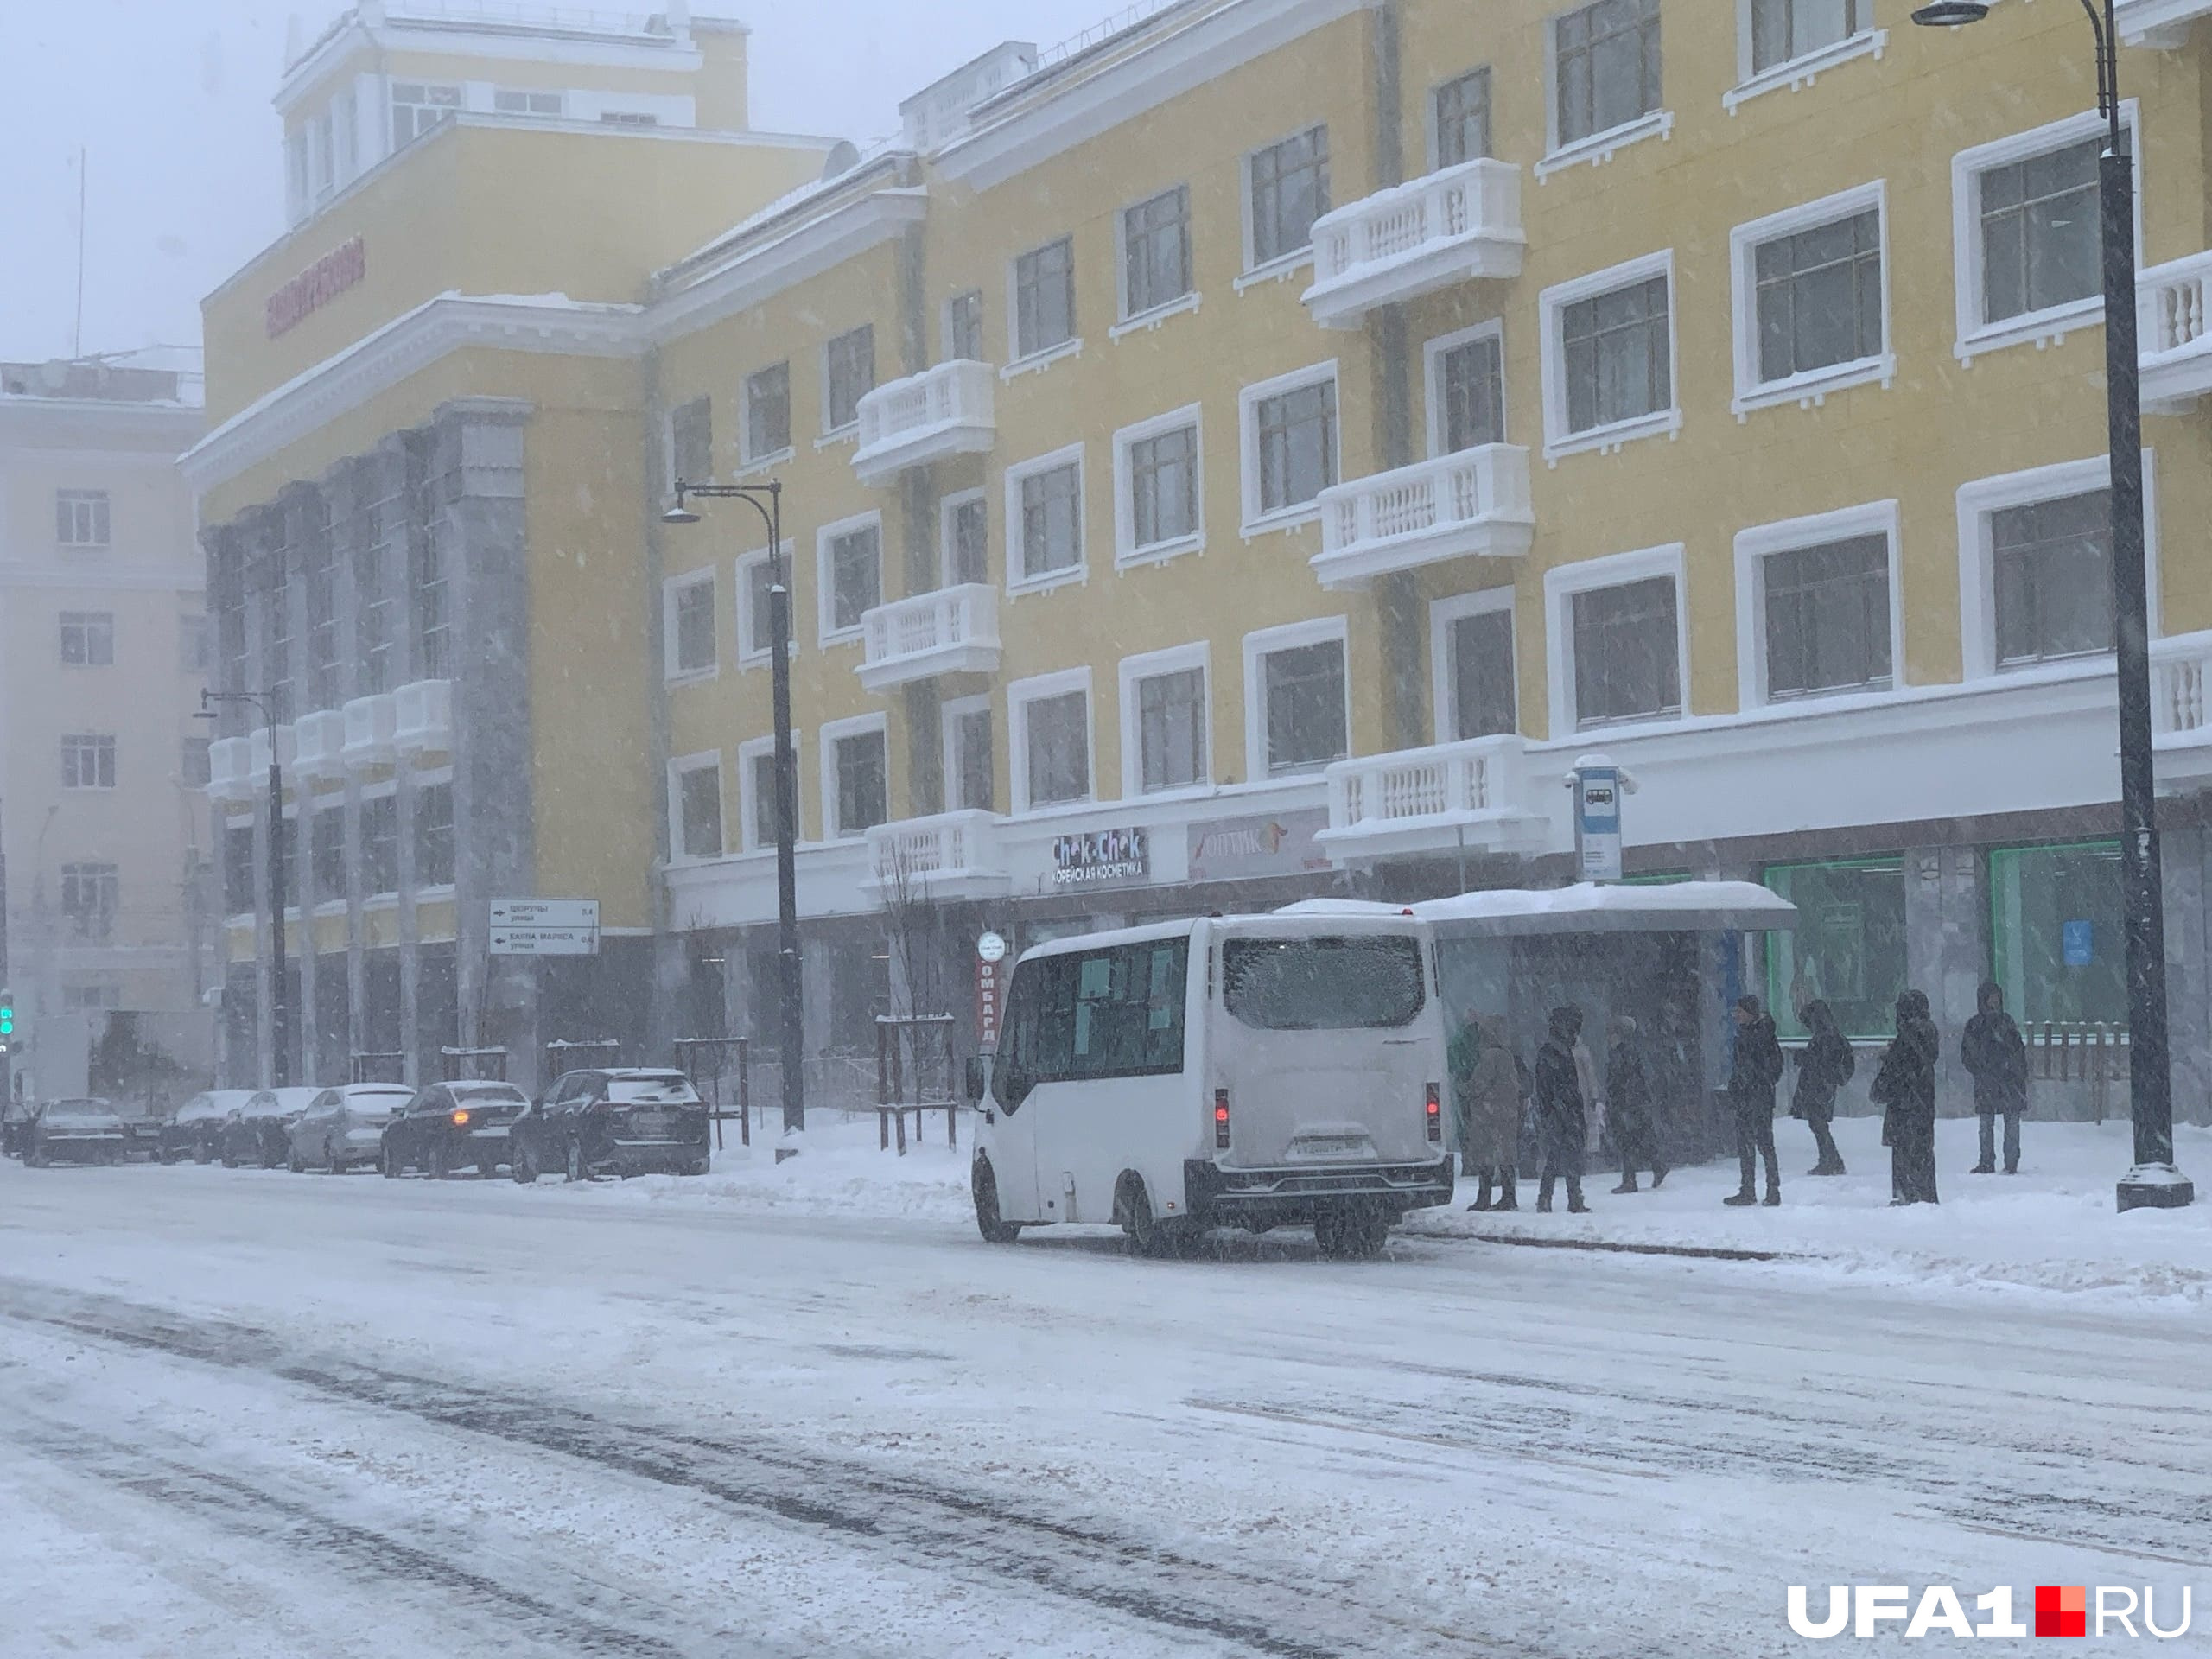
652,1123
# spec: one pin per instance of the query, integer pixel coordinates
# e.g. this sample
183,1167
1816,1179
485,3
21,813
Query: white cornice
402,347
1036,120
95,425
677,56
747,275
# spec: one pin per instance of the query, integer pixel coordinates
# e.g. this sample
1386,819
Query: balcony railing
230,770
948,410
2181,678
423,717
1472,505
370,723
953,855
1454,225
319,744
1471,794
952,630
2174,332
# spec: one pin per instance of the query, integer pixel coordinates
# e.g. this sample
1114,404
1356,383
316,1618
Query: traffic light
7,1015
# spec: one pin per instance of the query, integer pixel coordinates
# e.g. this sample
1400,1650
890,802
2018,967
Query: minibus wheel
995,1228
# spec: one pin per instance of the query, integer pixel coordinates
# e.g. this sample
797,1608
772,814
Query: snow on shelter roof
1587,907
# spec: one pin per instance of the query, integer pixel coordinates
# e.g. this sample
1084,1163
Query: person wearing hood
1628,1108
1486,1087
1993,1053
1824,1065
1751,1082
1561,1127
1904,1088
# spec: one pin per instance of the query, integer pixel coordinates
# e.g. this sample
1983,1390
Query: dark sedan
74,1132
626,1121
452,1126
261,1133
196,1130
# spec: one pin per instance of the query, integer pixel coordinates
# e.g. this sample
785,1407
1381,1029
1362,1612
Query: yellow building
1255,453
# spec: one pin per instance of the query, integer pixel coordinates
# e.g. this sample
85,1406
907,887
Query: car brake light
1435,1114
460,1118
1221,1117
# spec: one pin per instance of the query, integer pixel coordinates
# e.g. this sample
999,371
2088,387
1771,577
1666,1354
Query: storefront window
1848,947
2056,941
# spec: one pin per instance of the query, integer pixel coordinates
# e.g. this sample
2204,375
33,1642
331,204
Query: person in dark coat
1562,1129
1628,1108
1751,1084
1904,1088
1824,1065
1992,1052
1486,1086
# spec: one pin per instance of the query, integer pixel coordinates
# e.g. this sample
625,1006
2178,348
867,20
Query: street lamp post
2154,1181
767,500
280,1020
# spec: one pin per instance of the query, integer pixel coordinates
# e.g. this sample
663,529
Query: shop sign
1101,858
342,268
1241,848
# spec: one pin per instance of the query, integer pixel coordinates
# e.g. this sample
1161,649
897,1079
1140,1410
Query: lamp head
1950,14
680,513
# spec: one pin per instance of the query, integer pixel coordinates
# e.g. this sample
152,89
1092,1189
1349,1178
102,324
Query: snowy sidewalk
2051,1227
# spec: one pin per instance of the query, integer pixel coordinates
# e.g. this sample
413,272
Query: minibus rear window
1358,984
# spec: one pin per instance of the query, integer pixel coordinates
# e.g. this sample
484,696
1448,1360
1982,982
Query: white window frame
850,431
746,461
1433,352
1256,523
1151,664
1019,362
1442,613
1258,646
945,326
679,768
529,95
1798,73
1297,259
950,712
672,589
1080,570
1037,688
1597,147
1127,553
1551,307
1810,389
1563,581
741,602
748,752
1983,497
1127,322
668,444
945,508
1755,545
100,505
88,624
832,733
826,632
2053,323
1432,134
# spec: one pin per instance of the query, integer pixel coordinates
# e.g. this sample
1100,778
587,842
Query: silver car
343,1126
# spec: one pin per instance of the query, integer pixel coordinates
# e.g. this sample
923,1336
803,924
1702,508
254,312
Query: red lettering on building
317,286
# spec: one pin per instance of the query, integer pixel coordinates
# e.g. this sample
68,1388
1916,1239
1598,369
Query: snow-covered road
256,1413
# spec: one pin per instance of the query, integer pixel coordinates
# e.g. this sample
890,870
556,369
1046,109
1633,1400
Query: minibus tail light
1435,1114
1221,1118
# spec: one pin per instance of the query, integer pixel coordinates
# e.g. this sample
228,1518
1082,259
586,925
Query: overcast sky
170,100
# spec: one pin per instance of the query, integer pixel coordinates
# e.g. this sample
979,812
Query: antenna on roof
77,336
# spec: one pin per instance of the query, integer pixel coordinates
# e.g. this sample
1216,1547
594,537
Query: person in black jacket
1751,1084
1824,1065
1628,1108
1904,1088
1561,1126
1992,1052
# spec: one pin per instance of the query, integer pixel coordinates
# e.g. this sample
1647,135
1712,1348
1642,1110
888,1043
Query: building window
1044,510
1461,111
965,529
2050,565
1784,30
1627,649
195,764
1818,297
767,412
1161,476
848,376
1302,701
88,638
859,783
1044,298
1477,693
327,854
1171,717
964,328
627,118
1156,251
321,595
1290,444
2040,238
1055,736
80,518
852,575
687,622
417,107
2058,940
508,101
373,601
91,996
87,761
759,760
195,648
296,173
1848,948
699,808
238,869
89,901
1828,617
1287,188
434,836
346,115
756,616
1466,382
968,756
1606,58
691,442
432,622
1617,355
380,844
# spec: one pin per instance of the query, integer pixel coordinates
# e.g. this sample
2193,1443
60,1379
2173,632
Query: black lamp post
2154,1181
280,1020
767,500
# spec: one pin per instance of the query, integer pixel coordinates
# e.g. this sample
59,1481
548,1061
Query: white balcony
1472,505
1456,226
370,723
259,749
230,770
423,723
2181,708
944,411
952,630
1472,795
2160,24
319,744
2175,332
954,855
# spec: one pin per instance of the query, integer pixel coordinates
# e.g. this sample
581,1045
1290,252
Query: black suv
622,1121
450,1126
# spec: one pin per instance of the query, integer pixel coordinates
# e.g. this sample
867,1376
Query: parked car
260,1133
144,1126
450,1126
80,1131
343,1126
624,1121
195,1131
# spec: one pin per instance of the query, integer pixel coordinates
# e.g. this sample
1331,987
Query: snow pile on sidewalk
2053,1226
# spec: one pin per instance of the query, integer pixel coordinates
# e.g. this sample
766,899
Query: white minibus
1246,1071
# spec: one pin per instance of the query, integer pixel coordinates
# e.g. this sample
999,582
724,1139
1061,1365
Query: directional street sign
545,927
